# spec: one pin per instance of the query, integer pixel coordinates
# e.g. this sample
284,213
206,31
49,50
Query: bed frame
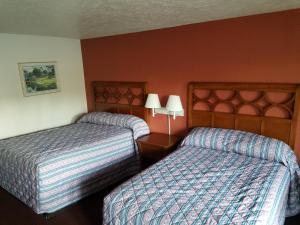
205,101
120,97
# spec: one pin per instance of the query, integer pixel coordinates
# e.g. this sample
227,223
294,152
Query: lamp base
169,125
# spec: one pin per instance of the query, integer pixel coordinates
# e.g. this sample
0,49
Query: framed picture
39,78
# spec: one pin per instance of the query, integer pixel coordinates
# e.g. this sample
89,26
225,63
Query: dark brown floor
87,212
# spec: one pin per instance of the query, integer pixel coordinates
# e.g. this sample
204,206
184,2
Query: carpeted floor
86,212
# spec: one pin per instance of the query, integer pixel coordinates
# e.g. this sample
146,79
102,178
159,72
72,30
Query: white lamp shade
152,101
174,103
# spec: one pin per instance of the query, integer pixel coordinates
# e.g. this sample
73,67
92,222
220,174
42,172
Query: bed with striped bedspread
51,169
217,176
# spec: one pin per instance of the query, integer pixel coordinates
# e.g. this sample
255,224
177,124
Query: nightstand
155,146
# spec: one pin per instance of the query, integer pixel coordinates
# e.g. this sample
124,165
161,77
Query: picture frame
39,78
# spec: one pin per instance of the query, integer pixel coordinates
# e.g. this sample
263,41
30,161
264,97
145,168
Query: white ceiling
96,18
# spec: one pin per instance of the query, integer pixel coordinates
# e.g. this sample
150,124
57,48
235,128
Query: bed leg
46,216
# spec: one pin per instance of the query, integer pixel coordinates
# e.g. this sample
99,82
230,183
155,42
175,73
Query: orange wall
260,48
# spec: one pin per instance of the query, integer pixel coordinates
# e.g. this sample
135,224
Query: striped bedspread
51,169
206,181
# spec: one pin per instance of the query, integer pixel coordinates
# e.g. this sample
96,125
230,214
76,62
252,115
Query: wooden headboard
120,97
267,109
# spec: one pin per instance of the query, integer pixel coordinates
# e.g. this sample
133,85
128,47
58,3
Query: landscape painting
39,78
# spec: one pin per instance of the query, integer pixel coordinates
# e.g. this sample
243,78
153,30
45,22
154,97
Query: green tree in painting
40,78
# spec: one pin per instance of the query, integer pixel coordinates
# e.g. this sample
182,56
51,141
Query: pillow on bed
136,124
242,142
213,138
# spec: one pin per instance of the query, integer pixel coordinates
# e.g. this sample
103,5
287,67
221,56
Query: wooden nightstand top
159,139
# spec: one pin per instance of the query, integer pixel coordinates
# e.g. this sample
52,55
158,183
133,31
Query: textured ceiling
95,18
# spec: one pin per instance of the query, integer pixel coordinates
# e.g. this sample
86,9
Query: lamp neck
169,125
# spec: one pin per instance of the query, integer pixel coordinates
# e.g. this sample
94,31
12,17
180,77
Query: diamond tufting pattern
202,186
50,169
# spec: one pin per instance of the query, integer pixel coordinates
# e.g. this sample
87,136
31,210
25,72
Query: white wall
18,114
